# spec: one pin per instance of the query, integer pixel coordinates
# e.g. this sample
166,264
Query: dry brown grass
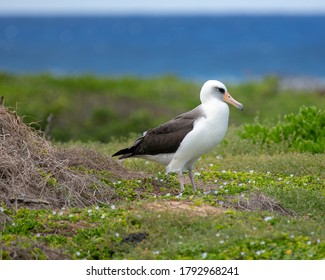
261,202
34,173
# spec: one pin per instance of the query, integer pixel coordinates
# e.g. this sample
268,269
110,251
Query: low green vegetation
247,215
89,108
302,132
261,192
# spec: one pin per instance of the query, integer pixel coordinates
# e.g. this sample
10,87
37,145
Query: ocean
232,48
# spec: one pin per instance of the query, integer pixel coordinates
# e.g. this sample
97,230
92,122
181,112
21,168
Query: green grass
253,201
225,219
90,108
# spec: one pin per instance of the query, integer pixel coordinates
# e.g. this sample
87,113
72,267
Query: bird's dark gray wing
165,138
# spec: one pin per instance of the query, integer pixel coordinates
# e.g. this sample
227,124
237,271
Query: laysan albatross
179,143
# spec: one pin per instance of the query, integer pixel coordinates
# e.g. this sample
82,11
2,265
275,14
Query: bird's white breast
208,131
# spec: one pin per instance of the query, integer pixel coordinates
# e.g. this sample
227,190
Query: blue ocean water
194,47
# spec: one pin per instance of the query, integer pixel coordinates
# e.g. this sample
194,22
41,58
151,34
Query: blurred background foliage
92,108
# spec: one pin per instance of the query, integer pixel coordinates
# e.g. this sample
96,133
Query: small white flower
252,243
292,236
113,207
260,252
308,242
167,194
218,157
71,215
268,218
215,192
279,179
318,240
139,181
217,234
2,210
78,254
312,233
291,175
156,252
117,234
211,164
242,253
251,171
197,174
221,202
102,216
225,183
38,235
158,216
119,182
254,228
268,173
60,213
240,184
204,255
179,195
221,241
147,162
223,171
54,212
89,210
262,242
97,207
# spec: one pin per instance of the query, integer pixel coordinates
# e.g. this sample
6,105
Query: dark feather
165,138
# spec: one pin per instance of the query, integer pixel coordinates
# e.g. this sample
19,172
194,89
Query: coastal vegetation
261,192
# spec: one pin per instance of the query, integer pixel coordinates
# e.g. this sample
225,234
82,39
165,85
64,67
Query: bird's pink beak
229,99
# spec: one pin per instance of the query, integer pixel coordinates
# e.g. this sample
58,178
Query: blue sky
157,7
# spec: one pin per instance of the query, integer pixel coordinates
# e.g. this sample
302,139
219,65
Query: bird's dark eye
222,90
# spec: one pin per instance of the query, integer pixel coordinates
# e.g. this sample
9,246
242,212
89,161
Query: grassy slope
96,109
253,203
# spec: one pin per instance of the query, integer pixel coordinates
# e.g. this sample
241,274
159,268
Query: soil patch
174,205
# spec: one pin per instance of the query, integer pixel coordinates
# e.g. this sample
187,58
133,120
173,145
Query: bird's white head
213,89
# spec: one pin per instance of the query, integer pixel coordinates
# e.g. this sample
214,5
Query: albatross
180,142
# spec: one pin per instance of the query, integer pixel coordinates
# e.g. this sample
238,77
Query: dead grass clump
34,173
260,202
93,160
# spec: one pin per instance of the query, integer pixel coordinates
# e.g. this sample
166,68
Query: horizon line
164,13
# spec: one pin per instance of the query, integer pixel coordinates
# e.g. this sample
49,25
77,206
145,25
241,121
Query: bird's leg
190,173
181,181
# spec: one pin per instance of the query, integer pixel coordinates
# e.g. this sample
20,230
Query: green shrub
301,132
